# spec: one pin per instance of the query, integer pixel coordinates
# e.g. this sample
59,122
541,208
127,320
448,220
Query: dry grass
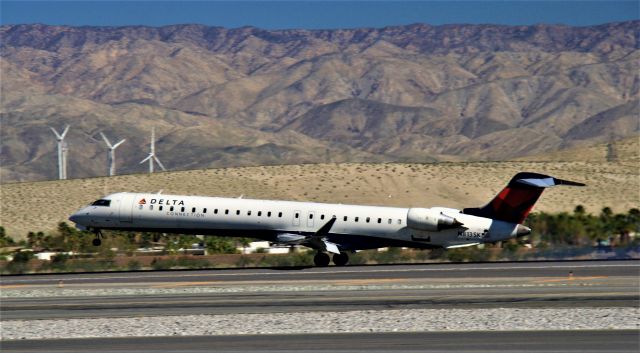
41,205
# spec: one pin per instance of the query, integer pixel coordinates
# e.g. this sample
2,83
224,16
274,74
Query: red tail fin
516,200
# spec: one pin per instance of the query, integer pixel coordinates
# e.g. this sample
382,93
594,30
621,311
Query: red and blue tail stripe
516,200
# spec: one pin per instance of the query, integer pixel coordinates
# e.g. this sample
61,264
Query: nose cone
75,218
79,217
522,230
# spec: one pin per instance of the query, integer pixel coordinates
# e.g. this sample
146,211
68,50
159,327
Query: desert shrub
192,262
163,264
20,262
245,261
59,262
134,265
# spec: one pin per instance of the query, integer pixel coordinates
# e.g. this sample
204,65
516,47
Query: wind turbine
152,154
112,154
62,152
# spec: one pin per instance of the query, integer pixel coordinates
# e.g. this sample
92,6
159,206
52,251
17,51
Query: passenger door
126,207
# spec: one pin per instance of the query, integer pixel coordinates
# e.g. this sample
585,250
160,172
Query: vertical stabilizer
516,200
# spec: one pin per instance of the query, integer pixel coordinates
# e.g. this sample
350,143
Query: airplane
327,228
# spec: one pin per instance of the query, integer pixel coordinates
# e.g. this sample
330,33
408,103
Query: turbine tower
152,154
62,152
112,154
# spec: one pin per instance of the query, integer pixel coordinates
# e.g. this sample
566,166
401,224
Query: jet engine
430,220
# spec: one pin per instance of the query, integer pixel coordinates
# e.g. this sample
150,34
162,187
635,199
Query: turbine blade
106,140
55,132
146,159
159,163
66,129
118,144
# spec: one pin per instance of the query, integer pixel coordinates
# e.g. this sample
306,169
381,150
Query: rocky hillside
247,96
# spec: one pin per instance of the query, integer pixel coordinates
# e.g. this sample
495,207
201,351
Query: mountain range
222,97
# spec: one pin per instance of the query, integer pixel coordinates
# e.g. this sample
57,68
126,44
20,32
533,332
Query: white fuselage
356,227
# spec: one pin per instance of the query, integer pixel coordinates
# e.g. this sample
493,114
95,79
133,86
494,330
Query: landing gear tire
321,259
97,241
341,259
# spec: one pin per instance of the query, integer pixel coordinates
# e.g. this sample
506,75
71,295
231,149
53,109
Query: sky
315,14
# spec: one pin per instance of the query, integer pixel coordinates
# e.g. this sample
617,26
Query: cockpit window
101,203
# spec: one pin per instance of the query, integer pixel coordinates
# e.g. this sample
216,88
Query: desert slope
240,97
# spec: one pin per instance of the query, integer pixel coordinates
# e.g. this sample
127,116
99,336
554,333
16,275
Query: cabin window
297,215
379,220
181,209
389,220
193,210
171,208
357,218
150,207
321,216
399,221
226,211
215,211
310,215
259,213
344,218
368,219
160,208
204,210
248,213
269,214
237,212
280,214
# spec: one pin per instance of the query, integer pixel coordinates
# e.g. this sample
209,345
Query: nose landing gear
97,241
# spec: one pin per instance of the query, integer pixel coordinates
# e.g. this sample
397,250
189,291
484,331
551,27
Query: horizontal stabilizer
543,181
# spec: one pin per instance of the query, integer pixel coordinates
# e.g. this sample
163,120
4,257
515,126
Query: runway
548,284
477,342
171,294
525,285
414,271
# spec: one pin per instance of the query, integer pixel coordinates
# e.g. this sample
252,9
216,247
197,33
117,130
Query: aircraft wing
316,241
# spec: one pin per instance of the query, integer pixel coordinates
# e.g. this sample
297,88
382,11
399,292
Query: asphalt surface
510,341
529,285
418,271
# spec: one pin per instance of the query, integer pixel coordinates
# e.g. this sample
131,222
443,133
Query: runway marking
311,273
9,286
356,282
571,278
183,284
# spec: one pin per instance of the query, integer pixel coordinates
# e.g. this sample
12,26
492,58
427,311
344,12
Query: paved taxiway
533,285
478,342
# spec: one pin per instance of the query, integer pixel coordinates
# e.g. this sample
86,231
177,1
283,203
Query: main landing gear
322,259
340,259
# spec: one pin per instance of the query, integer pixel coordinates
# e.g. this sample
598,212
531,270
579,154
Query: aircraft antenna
62,152
112,154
